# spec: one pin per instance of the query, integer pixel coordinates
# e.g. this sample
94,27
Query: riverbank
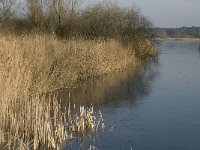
183,39
32,64
46,63
40,63
57,45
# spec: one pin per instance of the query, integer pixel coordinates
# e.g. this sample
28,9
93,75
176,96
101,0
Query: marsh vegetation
55,45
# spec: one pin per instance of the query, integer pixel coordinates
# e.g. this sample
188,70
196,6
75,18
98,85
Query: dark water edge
154,108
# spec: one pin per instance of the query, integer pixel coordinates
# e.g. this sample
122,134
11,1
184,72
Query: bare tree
75,4
50,13
35,12
6,9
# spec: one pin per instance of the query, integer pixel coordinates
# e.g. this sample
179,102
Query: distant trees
183,32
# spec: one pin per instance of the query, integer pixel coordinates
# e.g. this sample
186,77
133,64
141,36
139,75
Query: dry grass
38,63
38,122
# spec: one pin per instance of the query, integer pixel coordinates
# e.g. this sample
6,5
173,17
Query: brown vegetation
37,122
39,63
101,21
57,46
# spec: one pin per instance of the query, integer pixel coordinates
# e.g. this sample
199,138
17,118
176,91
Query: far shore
185,39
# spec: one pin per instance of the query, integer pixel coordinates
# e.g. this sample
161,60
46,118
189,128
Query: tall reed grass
32,64
76,46
39,123
36,63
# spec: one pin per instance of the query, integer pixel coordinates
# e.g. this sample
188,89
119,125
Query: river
154,108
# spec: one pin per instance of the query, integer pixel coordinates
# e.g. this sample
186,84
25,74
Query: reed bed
38,63
39,122
31,64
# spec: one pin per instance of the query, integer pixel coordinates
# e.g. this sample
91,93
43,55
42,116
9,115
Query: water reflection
156,107
121,90
199,49
113,90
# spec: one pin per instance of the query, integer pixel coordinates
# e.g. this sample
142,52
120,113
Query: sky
165,13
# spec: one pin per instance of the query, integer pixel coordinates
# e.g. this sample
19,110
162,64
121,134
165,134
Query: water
157,108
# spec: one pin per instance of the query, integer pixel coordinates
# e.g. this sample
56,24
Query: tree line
183,32
65,19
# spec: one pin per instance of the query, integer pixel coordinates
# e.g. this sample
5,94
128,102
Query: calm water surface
158,108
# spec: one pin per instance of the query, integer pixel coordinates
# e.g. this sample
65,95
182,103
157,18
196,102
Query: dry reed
39,122
38,63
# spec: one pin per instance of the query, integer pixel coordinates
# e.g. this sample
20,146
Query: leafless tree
50,13
35,12
6,9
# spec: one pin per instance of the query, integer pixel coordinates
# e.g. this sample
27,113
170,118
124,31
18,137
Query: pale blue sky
165,13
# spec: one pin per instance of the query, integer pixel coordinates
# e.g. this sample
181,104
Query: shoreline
42,63
178,39
39,63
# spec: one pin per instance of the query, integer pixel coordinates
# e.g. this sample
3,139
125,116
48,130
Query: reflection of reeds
113,89
96,90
